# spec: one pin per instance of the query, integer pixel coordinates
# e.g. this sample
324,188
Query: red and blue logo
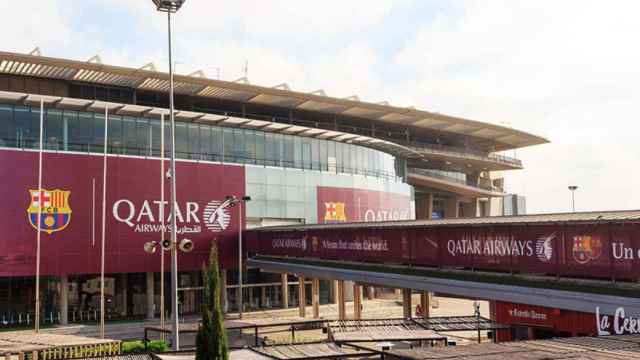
52,207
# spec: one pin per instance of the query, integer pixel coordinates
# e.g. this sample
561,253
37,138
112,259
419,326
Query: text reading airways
148,216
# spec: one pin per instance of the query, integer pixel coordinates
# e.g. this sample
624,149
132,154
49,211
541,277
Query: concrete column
371,292
424,207
357,301
64,300
348,290
406,303
425,303
302,302
123,294
451,208
333,291
285,290
342,306
150,303
224,302
263,296
315,297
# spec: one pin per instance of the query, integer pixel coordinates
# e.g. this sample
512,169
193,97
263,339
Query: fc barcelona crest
586,248
55,213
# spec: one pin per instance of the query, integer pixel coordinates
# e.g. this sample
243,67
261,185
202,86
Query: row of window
66,130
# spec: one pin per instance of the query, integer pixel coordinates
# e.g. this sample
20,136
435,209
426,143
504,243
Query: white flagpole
162,219
104,211
40,201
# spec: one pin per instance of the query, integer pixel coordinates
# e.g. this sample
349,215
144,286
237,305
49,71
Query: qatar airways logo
146,217
503,245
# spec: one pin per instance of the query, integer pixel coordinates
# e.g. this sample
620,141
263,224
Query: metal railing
464,152
440,175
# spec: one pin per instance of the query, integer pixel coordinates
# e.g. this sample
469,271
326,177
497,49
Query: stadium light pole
233,201
573,189
172,6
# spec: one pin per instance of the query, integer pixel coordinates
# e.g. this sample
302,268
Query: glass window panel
167,138
156,132
306,153
323,155
182,141
354,158
260,148
27,128
129,136
297,152
98,133
269,149
238,145
228,145
193,141
315,154
53,130
7,126
143,135
216,143
339,160
279,149
289,151
205,143
114,135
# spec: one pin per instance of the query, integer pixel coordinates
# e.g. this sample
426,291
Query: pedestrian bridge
571,261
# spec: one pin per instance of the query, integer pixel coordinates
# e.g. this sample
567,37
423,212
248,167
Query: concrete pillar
425,303
342,306
285,290
263,296
333,291
150,303
224,302
348,290
64,300
451,208
424,207
371,292
315,297
302,302
123,294
357,301
406,303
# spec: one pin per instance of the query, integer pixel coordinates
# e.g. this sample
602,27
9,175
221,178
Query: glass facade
68,130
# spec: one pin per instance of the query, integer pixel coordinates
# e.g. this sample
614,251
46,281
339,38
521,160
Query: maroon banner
72,211
349,205
591,251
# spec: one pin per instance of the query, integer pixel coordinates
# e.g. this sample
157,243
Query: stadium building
301,157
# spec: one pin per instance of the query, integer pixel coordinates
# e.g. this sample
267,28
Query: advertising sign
70,207
337,205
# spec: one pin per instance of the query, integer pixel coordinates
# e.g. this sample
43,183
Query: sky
567,70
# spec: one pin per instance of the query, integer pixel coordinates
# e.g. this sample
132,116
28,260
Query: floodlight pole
175,340
573,189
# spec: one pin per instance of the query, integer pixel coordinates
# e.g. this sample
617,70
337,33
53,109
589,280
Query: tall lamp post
172,6
233,201
573,189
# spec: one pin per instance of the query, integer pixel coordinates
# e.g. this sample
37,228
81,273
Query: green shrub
137,346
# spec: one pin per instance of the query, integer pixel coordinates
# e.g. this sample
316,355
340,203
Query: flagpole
104,211
162,219
40,201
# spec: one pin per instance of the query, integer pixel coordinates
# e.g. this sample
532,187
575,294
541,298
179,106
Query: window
53,130
27,127
306,153
205,143
7,127
129,136
297,152
228,145
289,151
315,154
143,135
323,155
156,132
98,133
216,143
182,141
260,153
114,134
193,142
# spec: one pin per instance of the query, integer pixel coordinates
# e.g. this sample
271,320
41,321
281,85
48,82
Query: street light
232,200
573,189
172,6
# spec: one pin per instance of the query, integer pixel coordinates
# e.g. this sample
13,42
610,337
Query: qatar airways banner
337,205
70,202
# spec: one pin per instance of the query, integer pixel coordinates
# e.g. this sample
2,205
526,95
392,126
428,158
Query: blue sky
566,70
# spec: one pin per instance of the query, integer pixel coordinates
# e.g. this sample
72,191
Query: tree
211,340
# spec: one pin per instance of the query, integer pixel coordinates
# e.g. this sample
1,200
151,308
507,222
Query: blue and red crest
52,206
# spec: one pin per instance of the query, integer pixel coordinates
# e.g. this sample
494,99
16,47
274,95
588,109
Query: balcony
455,152
439,180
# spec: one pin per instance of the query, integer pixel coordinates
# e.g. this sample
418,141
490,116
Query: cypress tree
211,340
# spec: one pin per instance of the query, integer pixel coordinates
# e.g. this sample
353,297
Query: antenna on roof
198,73
95,59
150,66
35,52
283,86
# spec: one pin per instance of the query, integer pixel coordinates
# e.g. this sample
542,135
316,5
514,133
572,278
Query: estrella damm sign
53,205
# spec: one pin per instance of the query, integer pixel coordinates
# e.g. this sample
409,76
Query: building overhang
420,180
146,78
